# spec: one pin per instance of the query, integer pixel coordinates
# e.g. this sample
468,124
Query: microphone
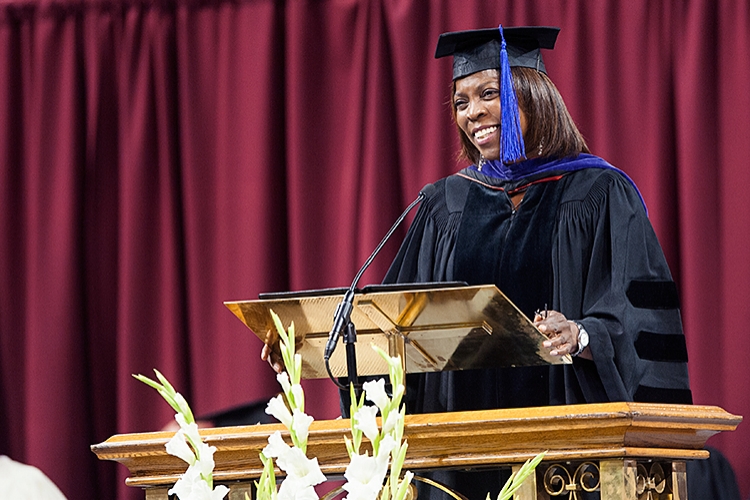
342,315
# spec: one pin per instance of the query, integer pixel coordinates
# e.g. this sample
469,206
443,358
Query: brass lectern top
433,329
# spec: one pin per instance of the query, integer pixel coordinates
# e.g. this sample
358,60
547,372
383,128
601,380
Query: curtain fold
161,157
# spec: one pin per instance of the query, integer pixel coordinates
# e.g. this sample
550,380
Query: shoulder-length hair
550,130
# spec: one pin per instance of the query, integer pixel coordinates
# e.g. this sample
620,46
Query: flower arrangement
302,474
366,475
197,481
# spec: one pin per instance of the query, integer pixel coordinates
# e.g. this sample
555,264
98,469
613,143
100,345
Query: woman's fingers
562,338
271,353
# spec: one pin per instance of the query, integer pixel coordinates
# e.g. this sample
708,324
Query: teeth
485,132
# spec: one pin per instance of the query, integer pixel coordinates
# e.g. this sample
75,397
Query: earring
481,163
541,148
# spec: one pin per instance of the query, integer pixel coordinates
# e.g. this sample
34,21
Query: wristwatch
583,339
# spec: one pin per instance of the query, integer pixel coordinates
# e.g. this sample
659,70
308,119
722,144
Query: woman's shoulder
598,182
590,192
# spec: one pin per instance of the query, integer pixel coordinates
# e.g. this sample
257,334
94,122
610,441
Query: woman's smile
484,135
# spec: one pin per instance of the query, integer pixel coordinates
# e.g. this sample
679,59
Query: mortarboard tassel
512,147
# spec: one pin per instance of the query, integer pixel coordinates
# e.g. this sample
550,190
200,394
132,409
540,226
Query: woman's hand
562,334
272,353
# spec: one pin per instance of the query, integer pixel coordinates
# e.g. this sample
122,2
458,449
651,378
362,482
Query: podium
626,451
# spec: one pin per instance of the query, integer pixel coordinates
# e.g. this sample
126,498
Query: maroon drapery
161,157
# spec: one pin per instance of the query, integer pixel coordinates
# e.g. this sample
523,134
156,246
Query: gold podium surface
432,329
613,433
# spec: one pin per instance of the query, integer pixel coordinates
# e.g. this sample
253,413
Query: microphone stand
342,316
350,341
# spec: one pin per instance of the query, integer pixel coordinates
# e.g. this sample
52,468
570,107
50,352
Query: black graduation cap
477,50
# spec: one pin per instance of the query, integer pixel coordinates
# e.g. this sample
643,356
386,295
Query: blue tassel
512,147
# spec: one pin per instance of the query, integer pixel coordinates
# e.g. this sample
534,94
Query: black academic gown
580,242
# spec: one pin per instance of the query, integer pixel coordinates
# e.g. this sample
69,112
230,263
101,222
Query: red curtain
161,157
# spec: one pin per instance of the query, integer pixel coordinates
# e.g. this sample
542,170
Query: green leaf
354,406
517,478
266,484
403,486
350,447
148,381
279,326
164,391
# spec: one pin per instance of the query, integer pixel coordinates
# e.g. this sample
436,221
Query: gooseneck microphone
342,315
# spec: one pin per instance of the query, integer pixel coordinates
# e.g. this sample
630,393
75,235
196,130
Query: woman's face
476,100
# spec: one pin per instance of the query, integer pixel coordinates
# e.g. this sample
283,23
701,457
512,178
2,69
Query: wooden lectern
625,451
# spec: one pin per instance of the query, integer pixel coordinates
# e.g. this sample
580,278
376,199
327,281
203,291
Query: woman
549,224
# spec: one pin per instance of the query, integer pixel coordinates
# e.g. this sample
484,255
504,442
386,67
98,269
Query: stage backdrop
160,157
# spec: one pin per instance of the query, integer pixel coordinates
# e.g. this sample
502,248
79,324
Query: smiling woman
549,224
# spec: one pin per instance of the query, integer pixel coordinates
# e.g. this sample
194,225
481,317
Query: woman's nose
476,110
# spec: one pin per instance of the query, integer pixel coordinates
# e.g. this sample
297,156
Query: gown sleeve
611,276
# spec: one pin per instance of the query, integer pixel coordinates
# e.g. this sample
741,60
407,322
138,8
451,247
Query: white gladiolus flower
297,465
187,484
398,393
182,404
206,462
375,392
276,446
190,430
299,396
178,447
391,422
387,444
364,477
219,492
283,379
190,486
278,409
366,422
301,425
293,488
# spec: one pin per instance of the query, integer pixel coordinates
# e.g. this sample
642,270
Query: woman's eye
490,94
460,104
